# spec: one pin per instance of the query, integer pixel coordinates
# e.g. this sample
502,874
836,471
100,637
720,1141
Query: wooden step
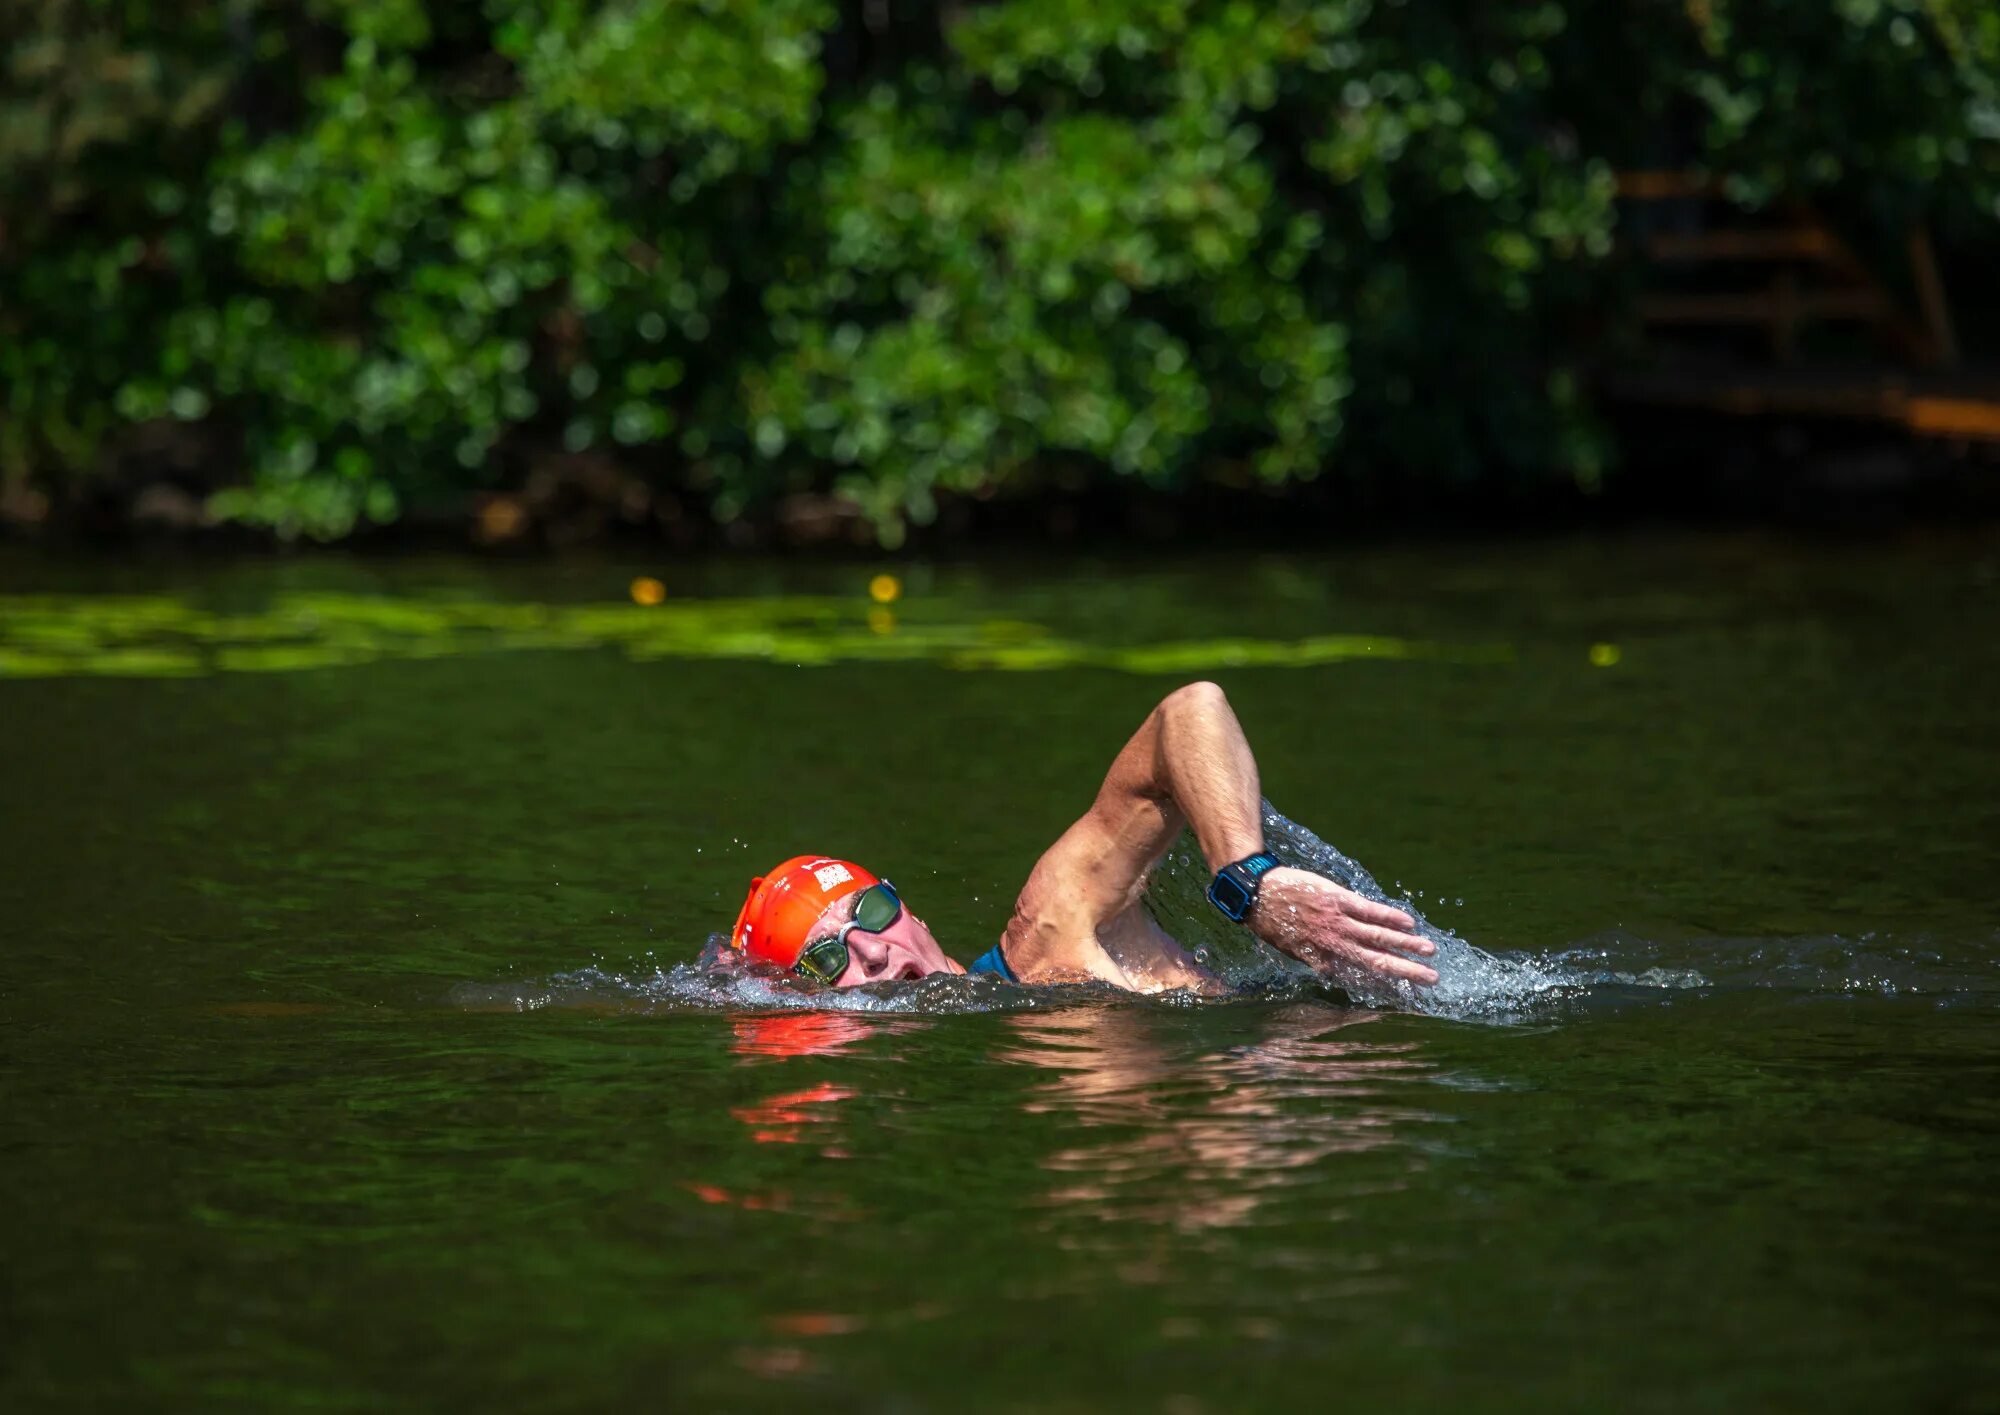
1790,243
1666,186
1765,308
1968,414
1971,418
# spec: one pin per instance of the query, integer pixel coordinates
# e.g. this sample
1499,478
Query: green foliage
389,251
1914,130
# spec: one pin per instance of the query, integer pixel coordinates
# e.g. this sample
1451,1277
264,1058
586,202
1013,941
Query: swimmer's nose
877,958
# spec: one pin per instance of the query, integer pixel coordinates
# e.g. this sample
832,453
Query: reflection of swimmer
1210,1147
792,1034
1080,916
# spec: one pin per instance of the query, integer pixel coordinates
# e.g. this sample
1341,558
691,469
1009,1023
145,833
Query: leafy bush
390,251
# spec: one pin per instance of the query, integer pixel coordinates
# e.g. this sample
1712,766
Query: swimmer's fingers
1391,940
1356,948
1368,911
1391,966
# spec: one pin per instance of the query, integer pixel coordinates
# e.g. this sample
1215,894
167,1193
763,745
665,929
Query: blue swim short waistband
993,962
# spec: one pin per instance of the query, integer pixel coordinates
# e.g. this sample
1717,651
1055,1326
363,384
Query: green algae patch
45,636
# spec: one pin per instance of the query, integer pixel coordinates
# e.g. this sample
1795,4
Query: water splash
1472,985
1824,965
720,980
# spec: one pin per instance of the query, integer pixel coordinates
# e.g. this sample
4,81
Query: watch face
1230,897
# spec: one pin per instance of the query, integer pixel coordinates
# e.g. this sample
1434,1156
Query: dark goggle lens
824,959
877,908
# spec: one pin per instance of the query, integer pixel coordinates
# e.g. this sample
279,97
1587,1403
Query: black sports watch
1234,888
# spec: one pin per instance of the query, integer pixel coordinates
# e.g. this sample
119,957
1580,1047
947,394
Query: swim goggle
824,960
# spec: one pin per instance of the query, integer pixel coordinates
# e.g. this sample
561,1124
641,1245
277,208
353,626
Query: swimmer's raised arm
1189,764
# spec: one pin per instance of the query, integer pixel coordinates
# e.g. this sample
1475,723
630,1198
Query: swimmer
1080,917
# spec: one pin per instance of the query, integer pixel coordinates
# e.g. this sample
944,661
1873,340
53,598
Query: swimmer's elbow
1202,696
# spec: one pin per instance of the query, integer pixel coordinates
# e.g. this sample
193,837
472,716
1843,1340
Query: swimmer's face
903,950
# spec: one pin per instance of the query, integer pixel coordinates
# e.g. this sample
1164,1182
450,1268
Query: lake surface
355,1052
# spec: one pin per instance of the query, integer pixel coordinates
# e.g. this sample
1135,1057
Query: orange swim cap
783,905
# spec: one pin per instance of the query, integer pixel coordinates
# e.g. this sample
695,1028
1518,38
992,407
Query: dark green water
281,845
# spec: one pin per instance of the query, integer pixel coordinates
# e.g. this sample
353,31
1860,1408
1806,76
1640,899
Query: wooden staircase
1771,281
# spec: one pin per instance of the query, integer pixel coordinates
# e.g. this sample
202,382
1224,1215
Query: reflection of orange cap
784,904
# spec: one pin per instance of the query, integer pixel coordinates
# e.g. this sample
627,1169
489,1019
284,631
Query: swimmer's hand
1325,926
